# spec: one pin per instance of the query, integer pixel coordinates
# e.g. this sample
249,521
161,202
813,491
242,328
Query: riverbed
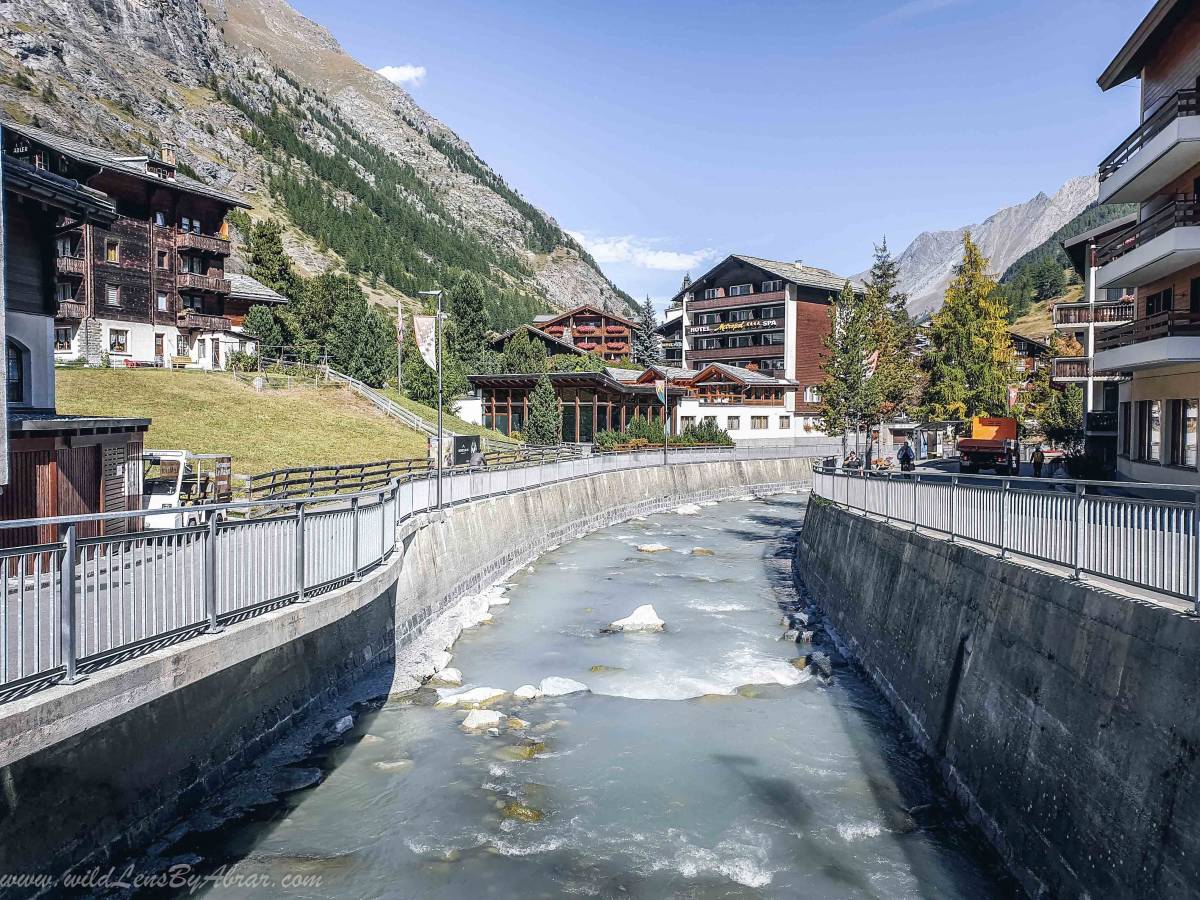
700,762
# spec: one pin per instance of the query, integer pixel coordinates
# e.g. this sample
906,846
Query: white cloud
404,76
913,9
641,253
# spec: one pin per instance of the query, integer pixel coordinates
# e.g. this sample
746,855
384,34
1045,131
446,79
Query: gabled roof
61,193
742,376
107,159
1143,43
797,273
540,335
625,376
1076,247
675,373
1038,343
251,290
585,307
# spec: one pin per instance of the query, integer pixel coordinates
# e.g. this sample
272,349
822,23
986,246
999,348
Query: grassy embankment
213,413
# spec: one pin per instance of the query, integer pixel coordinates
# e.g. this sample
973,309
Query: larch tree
845,392
895,386
544,426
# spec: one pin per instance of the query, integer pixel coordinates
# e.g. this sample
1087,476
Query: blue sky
668,134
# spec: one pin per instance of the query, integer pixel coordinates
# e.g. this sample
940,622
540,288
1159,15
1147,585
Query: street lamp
438,354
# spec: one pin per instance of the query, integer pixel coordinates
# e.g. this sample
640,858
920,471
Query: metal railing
1183,211
1148,541
1167,323
1181,103
76,603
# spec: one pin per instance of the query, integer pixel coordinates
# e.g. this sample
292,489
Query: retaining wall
1065,718
91,771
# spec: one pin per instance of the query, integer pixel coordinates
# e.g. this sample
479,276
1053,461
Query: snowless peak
644,618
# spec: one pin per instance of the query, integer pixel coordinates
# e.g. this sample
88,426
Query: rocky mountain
926,265
260,99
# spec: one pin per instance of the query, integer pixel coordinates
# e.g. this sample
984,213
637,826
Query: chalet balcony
71,310
726,353
735,399
1161,148
1154,248
190,320
189,240
1071,315
1168,338
734,302
1069,369
189,281
70,265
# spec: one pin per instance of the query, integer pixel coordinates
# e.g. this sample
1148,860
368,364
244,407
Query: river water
701,763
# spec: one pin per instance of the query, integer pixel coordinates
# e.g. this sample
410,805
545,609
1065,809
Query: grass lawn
213,413
451,423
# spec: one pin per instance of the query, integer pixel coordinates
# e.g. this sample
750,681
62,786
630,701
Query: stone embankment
1064,718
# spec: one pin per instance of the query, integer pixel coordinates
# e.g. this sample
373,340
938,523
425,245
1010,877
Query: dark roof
746,376
62,193
565,379
1039,343
1076,247
108,159
251,290
538,333
1143,43
797,273
554,317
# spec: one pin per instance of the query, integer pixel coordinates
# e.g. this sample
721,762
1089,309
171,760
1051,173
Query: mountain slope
927,263
264,101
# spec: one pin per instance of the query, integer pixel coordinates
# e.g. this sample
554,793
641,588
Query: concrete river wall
1065,718
97,769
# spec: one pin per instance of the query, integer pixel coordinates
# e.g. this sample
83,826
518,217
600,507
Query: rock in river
652,548
527,692
557,686
688,509
702,551
479,719
472,699
447,678
644,618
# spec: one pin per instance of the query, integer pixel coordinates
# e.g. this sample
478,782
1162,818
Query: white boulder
527,692
557,686
448,678
688,509
481,719
344,724
644,618
472,699
652,548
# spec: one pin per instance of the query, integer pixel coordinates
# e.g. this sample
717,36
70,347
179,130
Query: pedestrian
1038,459
905,455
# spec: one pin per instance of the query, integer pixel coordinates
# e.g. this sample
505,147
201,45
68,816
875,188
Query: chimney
167,154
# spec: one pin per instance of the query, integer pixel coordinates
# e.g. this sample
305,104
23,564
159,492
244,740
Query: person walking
1038,459
906,456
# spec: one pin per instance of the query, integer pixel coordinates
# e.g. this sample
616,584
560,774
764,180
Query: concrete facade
1063,717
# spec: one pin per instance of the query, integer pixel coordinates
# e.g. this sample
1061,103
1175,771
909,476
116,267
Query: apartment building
1157,257
151,287
762,316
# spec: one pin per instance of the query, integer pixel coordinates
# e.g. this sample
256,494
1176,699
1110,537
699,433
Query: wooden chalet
591,330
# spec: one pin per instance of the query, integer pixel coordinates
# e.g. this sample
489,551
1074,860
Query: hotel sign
734,326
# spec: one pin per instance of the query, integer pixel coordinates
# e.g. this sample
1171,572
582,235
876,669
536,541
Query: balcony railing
71,309
1169,323
1182,211
745,300
193,321
70,265
189,240
1110,313
1065,368
1100,422
736,352
1181,103
211,283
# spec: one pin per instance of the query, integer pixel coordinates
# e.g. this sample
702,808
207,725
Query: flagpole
438,357
666,408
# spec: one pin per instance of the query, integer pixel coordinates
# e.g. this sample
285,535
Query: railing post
1196,552
300,565
210,575
354,534
916,497
1077,543
887,497
953,497
68,637
383,526
1005,509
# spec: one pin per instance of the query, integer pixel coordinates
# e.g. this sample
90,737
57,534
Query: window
771,312
112,251
785,422
1149,430
733,423
192,264
64,291
188,224
687,421
162,259
112,294
1123,426
758,423
39,159
15,365
160,218
776,285
773,339
118,340
181,345
741,315
192,302
1159,301
62,339
163,301
710,420
65,246
811,394
708,318
739,290
711,293
1183,433
708,344
200,347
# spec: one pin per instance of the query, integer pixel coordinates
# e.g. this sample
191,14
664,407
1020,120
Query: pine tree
970,362
522,354
260,324
647,348
545,423
845,396
269,262
895,386
466,302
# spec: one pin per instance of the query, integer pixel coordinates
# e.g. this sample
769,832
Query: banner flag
660,388
871,362
425,334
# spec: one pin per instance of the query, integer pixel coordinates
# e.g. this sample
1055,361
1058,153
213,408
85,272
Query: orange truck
992,445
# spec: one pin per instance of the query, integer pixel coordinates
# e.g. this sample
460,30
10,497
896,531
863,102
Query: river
701,762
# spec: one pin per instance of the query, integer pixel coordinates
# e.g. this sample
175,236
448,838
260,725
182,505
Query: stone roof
625,376
806,276
251,290
747,376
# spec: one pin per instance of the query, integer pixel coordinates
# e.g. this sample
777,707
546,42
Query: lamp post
438,354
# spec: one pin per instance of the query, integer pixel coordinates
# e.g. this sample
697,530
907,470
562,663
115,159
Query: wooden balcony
1116,312
1181,103
211,284
720,354
190,320
189,240
1169,323
70,265
71,310
733,302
